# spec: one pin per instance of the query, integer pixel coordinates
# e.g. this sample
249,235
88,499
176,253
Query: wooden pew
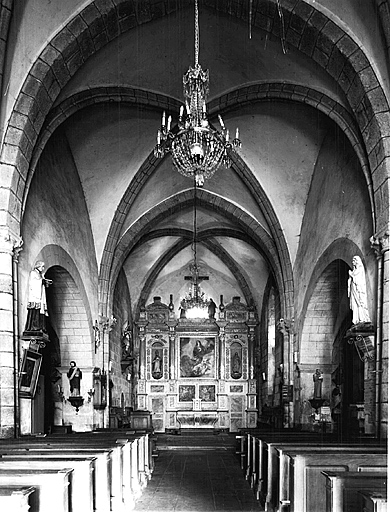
263,469
263,463
280,493
252,446
121,479
103,475
16,499
82,485
273,488
342,488
51,486
372,501
136,461
307,483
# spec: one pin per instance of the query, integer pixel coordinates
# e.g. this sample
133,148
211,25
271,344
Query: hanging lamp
197,148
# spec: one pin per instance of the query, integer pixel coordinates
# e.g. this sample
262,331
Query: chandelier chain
196,33
198,149
195,232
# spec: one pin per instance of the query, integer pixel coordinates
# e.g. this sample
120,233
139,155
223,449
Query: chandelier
197,148
194,302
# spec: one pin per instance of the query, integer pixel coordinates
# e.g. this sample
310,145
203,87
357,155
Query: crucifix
195,279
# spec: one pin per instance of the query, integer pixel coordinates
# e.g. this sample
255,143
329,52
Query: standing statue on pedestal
74,375
318,378
36,305
357,292
211,309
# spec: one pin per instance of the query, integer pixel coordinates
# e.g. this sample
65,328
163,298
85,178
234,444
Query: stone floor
196,473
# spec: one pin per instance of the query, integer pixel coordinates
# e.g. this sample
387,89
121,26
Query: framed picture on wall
186,393
197,356
29,373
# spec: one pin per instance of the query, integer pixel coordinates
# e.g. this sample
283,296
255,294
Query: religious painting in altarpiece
197,357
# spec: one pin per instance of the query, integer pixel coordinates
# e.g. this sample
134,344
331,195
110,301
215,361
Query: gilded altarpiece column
223,404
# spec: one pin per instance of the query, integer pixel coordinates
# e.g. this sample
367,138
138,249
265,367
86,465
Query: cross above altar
195,278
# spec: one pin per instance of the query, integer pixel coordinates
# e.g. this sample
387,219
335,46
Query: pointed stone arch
214,247
306,29
258,236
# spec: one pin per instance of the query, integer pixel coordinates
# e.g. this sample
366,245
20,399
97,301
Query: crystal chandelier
194,302
197,148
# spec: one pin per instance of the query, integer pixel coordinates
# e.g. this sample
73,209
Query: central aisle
196,473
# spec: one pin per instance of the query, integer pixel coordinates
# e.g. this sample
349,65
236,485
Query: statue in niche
157,366
236,366
127,344
317,379
74,375
357,292
211,309
36,300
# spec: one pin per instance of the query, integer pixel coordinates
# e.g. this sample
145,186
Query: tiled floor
196,474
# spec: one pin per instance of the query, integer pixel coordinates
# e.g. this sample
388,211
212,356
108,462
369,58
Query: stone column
10,245
380,244
286,327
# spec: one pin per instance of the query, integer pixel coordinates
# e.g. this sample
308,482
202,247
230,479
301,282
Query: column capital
380,243
10,242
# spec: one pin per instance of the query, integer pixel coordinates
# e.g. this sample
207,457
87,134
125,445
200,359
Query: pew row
16,499
121,469
342,488
307,485
372,501
82,482
51,486
268,469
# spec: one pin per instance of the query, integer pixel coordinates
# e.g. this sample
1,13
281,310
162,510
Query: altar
197,373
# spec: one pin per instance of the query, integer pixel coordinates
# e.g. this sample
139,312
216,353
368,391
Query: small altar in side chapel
197,373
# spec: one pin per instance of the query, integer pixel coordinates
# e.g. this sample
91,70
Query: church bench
272,486
307,483
16,498
279,473
342,488
120,479
372,501
137,456
252,446
257,467
51,486
102,490
143,441
82,484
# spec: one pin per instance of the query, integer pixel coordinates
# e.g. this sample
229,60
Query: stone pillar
286,327
363,337
380,244
10,245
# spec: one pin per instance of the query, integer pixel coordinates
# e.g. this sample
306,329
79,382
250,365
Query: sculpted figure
36,305
211,309
357,292
317,379
157,363
74,375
